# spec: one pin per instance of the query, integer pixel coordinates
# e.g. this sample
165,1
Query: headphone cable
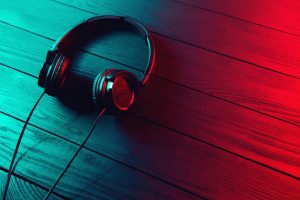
75,154
11,167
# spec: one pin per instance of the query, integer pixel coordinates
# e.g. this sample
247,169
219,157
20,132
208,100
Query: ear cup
45,68
97,93
53,73
115,89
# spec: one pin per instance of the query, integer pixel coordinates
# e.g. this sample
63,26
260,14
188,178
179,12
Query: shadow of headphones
113,89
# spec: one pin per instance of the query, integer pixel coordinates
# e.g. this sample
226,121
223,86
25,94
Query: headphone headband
66,42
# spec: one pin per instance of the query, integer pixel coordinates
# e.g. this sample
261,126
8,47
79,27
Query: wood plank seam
233,17
5,65
26,30
171,129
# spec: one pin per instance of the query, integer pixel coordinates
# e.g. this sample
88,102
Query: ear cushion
55,74
108,90
98,93
43,74
44,71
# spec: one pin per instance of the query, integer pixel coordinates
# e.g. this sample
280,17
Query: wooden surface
219,119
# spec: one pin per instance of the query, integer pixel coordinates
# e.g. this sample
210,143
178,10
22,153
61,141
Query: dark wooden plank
174,75
255,136
43,156
21,189
261,89
162,151
235,38
280,15
171,90
242,93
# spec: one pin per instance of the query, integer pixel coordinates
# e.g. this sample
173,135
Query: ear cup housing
53,72
44,71
115,90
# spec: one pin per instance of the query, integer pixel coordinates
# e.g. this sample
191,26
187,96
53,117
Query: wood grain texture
280,15
159,151
223,124
229,79
42,157
196,118
21,189
225,35
261,90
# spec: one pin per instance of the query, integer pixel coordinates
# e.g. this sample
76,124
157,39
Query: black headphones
115,90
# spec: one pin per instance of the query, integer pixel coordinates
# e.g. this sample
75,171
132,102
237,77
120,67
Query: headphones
113,89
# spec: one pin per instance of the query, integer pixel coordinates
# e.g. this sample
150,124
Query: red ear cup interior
115,89
122,93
